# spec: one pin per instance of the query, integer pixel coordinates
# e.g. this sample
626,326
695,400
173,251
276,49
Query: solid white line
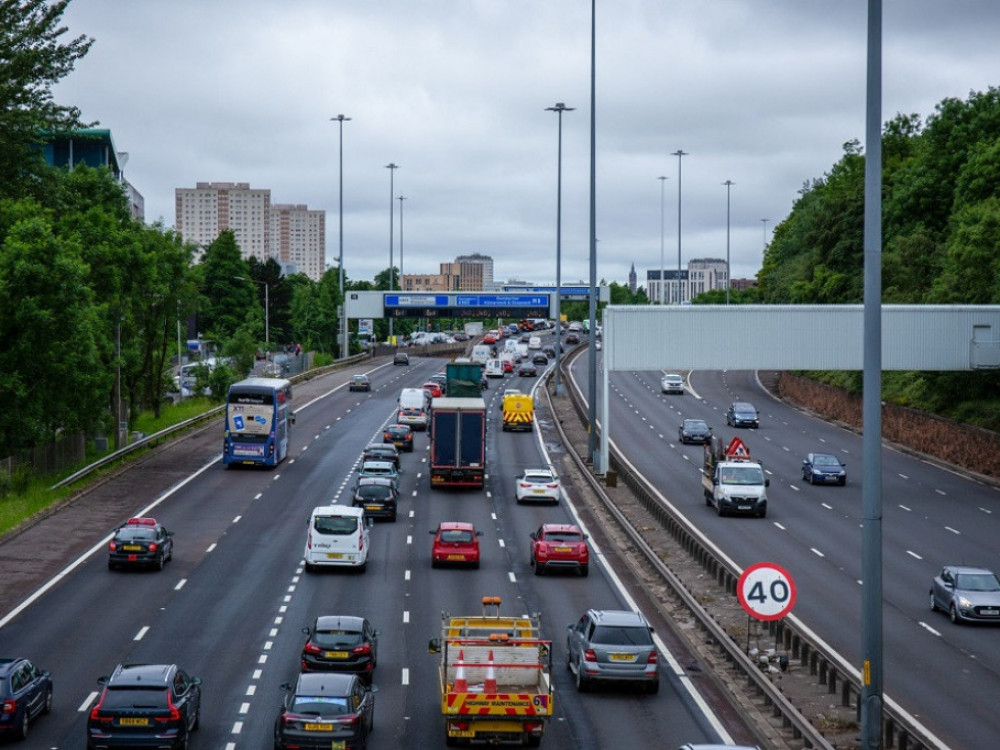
101,545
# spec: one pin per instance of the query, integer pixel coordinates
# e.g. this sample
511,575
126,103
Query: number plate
538,492
743,507
133,721
335,654
132,548
334,556
467,733
621,657
373,507
313,727
563,549
456,557
989,612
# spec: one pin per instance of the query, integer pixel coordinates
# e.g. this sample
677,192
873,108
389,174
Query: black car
572,338
145,705
540,359
324,711
694,431
341,643
377,496
400,435
381,452
527,370
401,358
141,542
25,694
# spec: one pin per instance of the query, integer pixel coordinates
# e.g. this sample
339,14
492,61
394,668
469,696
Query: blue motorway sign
501,300
416,300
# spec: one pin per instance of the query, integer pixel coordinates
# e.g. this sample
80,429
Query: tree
32,61
227,295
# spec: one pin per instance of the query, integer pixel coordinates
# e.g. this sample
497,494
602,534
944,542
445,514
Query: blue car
823,468
25,694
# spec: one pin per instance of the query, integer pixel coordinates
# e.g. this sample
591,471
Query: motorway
231,605
947,676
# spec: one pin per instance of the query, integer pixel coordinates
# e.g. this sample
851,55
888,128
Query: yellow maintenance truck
496,677
518,411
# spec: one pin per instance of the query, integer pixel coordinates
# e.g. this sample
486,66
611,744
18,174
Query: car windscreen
610,635
320,705
695,424
742,475
977,582
335,638
824,460
335,524
458,536
134,697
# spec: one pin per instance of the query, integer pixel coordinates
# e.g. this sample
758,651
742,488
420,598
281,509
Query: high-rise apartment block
293,235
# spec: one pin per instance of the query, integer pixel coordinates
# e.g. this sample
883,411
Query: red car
455,543
559,545
508,365
490,338
432,389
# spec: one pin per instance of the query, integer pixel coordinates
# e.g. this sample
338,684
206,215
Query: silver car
967,594
671,383
614,646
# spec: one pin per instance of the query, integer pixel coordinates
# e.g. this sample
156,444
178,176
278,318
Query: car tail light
552,486
364,648
532,727
9,706
111,547
311,648
153,547
175,714
95,712
653,658
589,655
458,726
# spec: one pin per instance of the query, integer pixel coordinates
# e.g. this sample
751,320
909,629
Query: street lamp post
559,108
340,258
663,281
392,171
401,198
678,153
729,184
765,232
592,296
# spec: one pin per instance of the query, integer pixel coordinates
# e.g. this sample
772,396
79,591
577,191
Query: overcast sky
761,92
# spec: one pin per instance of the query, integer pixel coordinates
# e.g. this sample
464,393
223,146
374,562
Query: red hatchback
559,545
432,389
455,543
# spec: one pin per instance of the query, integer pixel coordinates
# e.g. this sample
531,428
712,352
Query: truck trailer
458,442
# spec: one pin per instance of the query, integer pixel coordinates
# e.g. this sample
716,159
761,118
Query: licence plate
621,657
456,557
538,492
133,721
989,612
334,556
743,507
462,733
373,507
313,727
132,548
335,654
563,549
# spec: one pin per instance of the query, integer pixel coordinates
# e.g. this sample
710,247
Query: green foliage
32,61
219,381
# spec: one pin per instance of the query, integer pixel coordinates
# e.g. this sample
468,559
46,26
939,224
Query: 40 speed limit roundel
766,591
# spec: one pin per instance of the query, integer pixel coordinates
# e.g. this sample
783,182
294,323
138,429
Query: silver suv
612,645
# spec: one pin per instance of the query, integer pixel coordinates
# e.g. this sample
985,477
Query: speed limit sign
766,591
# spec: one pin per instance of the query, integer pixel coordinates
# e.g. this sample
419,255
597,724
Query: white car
671,383
539,485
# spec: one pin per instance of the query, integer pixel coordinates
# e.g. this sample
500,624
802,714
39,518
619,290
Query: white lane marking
913,554
406,616
827,506
794,487
986,510
251,690
142,633
903,476
510,575
406,575
180,584
780,526
85,706
816,552
244,708
904,507
929,629
409,539
501,542
953,531
406,676
941,492
237,519
237,728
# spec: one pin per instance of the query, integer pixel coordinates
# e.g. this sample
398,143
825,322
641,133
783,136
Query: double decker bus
259,421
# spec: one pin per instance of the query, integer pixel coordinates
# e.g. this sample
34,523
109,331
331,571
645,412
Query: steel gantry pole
663,182
392,171
728,184
679,153
559,109
340,257
401,198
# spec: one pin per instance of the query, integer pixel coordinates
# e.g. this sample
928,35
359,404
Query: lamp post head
340,118
679,153
390,165
560,108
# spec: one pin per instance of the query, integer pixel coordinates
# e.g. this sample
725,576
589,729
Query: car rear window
331,638
335,524
134,697
457,536
563,536
538,478
137,534
374,492
622,635
320,705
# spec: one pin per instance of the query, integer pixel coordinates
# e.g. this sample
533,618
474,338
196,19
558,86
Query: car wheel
310,568
582,682
653,688
762,513
47,705
171,555
539,569
953,614
21,732
585,570
719,510
160,562
475,565
934,606
111,565
843,482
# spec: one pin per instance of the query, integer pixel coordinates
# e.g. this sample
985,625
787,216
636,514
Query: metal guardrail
899,729
149,440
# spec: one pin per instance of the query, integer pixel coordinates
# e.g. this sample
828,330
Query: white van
481,353
413,408
494,368
337,536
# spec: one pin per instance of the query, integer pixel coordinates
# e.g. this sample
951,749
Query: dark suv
145,705
742,414
25,693
614,646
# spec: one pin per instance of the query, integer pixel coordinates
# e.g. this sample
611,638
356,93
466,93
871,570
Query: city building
632,280
473,267
291,234
701,275
95,148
